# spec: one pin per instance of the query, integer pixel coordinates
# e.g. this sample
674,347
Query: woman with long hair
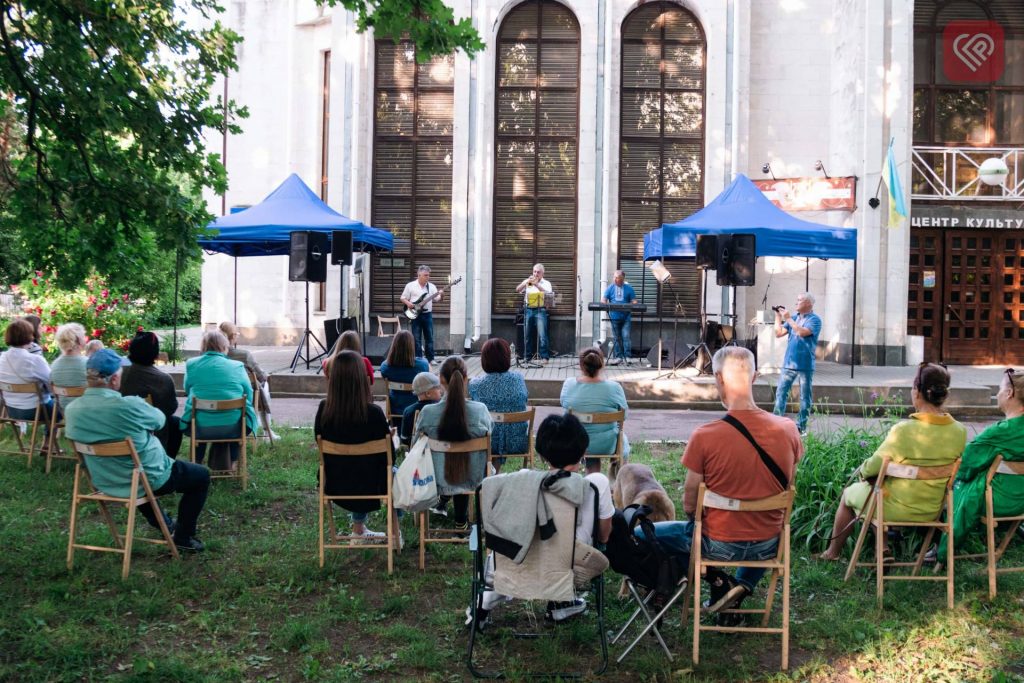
349,416
930,437
456,418
502,391
591,393
349,341
402,365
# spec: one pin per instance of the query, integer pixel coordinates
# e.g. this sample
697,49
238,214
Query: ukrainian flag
891,178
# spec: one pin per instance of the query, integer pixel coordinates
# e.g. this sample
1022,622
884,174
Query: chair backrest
367,448
109,449
1001,466
546,572
9,388
599,418
390,385
217,406
66,392
892,470
515,418
252,378
707,498
481,443
384,320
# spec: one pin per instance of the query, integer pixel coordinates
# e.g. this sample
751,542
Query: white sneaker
369,536
274,435
560,611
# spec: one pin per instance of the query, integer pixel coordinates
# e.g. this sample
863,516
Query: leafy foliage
430,24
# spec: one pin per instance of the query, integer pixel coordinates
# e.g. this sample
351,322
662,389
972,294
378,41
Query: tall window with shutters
661,153
412,169
536,143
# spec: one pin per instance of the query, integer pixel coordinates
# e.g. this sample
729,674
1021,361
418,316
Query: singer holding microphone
534,290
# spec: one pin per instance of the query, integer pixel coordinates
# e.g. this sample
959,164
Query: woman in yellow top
929,438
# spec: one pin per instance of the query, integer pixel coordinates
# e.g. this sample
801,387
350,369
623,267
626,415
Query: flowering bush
111,317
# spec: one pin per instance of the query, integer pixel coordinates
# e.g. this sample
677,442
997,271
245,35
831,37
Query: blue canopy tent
265,229
742,208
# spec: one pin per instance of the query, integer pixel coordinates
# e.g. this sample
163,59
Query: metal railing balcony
951,173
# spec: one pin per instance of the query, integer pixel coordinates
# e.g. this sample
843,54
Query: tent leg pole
807,275
853,321
643,298
234,315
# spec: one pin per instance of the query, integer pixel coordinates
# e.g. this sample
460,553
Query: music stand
307,334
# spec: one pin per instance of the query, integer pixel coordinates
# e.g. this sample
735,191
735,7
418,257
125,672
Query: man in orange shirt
727,462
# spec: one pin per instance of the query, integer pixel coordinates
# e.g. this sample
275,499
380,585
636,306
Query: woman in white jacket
18,365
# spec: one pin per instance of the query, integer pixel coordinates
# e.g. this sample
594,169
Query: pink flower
53,314
14,288
91,300
124,297
39,273
39,310
105,293
101,307
35,282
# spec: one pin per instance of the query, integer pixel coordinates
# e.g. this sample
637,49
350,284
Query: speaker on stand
307,262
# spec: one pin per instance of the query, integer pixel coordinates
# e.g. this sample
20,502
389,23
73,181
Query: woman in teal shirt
589,393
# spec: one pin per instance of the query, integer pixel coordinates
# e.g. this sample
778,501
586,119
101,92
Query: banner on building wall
811,194
965,218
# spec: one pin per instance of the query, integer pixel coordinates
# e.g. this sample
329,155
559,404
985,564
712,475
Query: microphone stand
571,360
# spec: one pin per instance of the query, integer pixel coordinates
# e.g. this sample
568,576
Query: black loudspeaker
307,257
335,327
736,257
707,251
376,349
341,247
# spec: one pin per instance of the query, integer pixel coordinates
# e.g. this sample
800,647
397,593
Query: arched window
661,144
535,139
412,169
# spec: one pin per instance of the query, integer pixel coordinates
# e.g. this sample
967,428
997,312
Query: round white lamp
993,171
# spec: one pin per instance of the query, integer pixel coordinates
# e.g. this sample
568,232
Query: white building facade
581,127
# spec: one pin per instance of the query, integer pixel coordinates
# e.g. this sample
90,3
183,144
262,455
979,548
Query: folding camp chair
329,449
874,517
545,574
460,449
202,405
123,543
56,425
394,320
777,566
615,457
261,413
522,417
7,389
994,553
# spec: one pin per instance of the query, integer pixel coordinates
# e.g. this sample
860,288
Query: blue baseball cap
106,363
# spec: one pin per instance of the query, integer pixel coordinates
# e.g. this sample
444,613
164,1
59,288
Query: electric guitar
413,311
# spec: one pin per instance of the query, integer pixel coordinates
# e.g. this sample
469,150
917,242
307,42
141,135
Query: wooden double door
966,295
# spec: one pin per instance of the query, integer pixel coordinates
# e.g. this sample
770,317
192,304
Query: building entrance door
966,295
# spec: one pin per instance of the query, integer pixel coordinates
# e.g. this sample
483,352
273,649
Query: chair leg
879,565
105,512
424,521
785,602
990,543
769,599
925,544
32,441
392,538
73,526
858,547
320,525
130,531
696,611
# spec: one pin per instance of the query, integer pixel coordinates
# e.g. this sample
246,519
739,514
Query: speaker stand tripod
307,335
701,350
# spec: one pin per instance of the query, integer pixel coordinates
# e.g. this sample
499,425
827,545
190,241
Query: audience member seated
36,322
349,341
501,391
456,418
930,437
561,441
101,415
143,379
590,393
402,366
92,347
1005,438
245,357
427,388
349,416
214,376
19,365
68,369
721,458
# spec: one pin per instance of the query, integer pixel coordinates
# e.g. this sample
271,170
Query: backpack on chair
642,559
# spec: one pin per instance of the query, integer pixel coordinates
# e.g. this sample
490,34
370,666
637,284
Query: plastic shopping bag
414,488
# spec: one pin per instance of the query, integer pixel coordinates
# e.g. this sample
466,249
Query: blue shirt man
803,331
619,292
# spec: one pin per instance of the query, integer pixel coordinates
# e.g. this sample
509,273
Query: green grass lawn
256,606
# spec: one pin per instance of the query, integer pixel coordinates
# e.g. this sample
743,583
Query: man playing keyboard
619,292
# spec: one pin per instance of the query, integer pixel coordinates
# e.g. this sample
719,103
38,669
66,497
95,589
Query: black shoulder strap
765,458
595,532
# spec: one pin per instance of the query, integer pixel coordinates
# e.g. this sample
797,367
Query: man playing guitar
423,325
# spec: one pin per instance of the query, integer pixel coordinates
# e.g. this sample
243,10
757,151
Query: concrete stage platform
973,391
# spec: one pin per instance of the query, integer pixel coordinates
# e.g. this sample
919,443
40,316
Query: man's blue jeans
621,331
677,537
423,326
536,318
193,482
789,375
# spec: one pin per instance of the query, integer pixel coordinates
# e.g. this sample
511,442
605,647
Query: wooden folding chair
329,449
123,543
778,567
449,448
525,416
257,405
390,386
994,553
874,517
615,458
55,451
212,406
7,389
383,320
